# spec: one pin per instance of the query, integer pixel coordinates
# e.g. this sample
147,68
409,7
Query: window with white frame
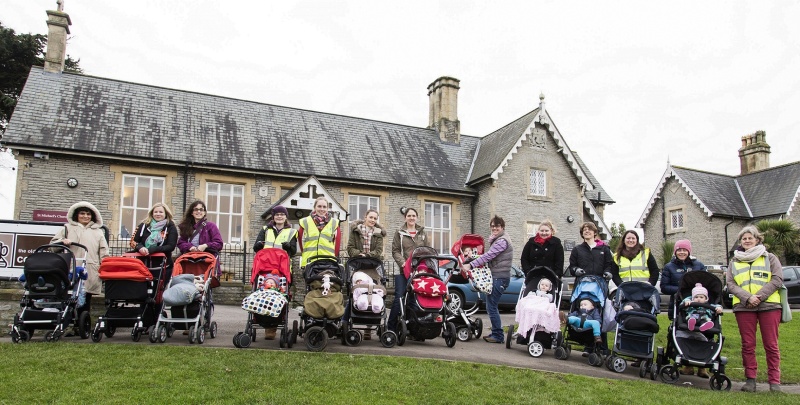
437,225
532,228
358,205
676,218
139,193
225,204
538,184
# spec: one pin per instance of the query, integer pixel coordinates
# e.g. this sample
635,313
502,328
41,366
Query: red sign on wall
50,216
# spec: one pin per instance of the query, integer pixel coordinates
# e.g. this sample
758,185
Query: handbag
786,312
482,278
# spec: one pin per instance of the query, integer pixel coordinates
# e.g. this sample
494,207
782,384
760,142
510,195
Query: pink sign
50,216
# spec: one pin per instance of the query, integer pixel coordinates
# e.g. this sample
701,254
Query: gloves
607,276
468,260
258,246
578,272
286,246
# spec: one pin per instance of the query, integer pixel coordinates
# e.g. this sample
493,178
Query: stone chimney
754,153
58,23
443,114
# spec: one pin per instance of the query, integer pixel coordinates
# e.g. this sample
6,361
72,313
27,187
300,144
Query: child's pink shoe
706,326
692,323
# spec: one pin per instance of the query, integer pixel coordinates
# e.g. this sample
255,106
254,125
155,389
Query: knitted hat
360,275
683,244
273,277
699,290
280,209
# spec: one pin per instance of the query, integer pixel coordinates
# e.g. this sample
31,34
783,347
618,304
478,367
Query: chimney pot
443,108
58,23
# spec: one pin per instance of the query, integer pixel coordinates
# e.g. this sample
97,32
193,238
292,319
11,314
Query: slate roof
765,193
496,146
593,194
71,112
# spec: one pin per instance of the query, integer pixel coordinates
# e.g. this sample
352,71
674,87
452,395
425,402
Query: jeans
768,322
400,283
499,285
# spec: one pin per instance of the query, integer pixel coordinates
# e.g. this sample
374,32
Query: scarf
366,233
750,255
155,238
538,239
321,221
493,238
630,253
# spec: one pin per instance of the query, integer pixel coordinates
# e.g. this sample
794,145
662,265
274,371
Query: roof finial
541,101
60,5
541,96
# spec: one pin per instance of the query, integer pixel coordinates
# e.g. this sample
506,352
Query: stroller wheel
352,337
595,360
163,333
294,332
212,330
192,335
49,336
388,339
136,334
244,341
464,334
402,332
643,370
84,325
720,382
669,374
561,353
653,371
510,336
478,328
170,332
450,334
236,340
152,335
282,339
316,338
535,348
15,336
618,364
110,331
201,335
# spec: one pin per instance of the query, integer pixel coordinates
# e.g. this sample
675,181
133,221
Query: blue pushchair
594,288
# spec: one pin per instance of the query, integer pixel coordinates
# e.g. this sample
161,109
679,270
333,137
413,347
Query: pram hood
590,286
639,292
271,261
124,268
58,264
314,270
536,274
371,266
422,255
467,240
711,282
196,264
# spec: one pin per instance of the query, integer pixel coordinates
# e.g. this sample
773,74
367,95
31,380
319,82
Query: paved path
231,319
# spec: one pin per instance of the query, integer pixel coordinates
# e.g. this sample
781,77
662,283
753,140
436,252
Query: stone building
710,208
124,146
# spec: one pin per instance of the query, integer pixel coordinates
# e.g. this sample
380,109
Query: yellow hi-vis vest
752,276
284,235
636,269
316,243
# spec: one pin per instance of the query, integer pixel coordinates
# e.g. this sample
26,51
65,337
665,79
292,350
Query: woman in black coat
544,249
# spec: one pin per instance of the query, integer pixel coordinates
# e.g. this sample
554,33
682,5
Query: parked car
464,295
791,279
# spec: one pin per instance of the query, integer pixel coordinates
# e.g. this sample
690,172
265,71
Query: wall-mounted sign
50,216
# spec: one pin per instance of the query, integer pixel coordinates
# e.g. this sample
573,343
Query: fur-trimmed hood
354,227
83,204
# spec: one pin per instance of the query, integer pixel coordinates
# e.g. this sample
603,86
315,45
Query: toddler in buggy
537,311
587,319
366,295
323,305
699,313
590,316
638,305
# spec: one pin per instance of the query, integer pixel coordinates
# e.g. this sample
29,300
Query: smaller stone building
711,208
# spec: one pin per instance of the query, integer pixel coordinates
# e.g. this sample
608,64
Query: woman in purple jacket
197,233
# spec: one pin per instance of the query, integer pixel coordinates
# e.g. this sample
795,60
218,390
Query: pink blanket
537,313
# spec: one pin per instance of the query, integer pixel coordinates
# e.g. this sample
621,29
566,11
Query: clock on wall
72,182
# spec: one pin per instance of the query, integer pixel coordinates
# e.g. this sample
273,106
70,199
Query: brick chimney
754,153
58,23
443,114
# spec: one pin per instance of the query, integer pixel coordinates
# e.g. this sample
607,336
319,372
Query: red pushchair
464,249
270,261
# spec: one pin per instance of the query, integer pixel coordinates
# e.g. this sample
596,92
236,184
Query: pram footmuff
266,306
323,305
53,281
192,279
637,304
595,289
687,347
467,326
133,284
422,313
364,298
537,334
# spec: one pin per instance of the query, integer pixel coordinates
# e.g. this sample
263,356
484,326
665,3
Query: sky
631,85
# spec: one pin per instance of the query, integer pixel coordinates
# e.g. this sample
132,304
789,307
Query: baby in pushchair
366,294
593,318
702,315
537,311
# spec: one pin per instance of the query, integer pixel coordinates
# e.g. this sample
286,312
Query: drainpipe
664,222
472,216
733,219
185,182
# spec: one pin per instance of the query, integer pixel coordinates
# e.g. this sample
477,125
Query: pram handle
59,246
137,254
701,305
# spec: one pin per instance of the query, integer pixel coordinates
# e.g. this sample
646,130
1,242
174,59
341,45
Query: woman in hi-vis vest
754,277
319,234
635,262
278,233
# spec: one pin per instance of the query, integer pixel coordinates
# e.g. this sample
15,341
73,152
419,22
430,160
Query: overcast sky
629,84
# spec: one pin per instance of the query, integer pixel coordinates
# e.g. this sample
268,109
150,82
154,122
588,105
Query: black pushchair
637,327
366,320
53,281
536,338
695,348
323,305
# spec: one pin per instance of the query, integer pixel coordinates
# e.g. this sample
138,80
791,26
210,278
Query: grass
732,349
111,373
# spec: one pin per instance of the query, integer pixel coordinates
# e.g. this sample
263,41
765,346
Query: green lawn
111,373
